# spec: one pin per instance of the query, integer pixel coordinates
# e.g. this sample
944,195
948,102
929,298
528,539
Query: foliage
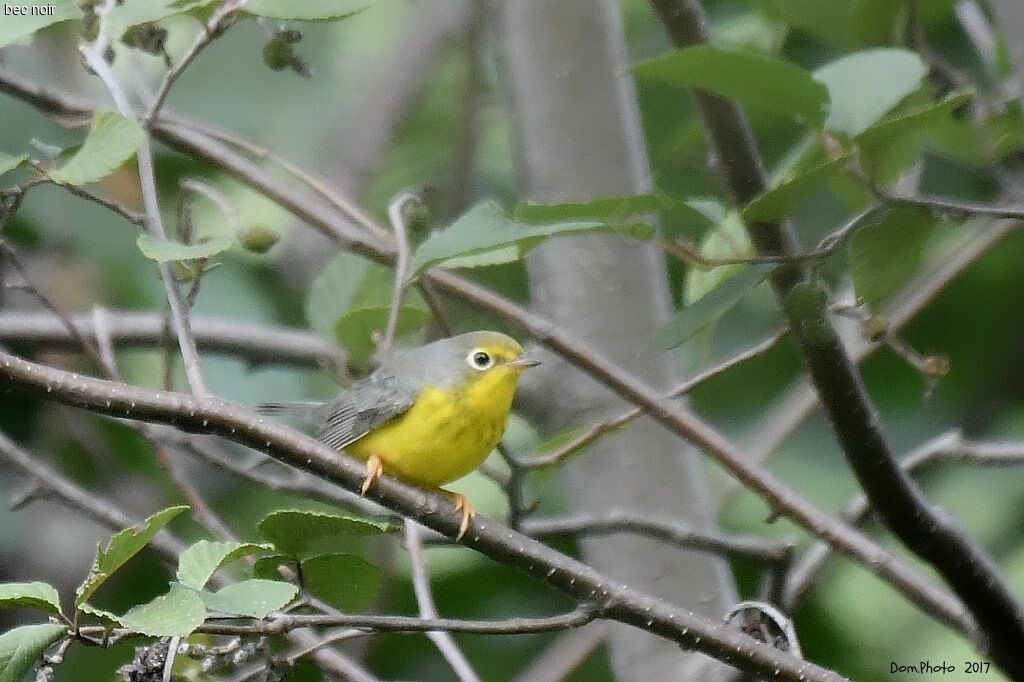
853,103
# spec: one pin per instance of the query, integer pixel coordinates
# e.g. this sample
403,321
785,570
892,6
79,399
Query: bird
427,415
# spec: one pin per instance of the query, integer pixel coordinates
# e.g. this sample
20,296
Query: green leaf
865,86
887,251
350,300
256,598
356,328
120,549
305,533
896,140
710,307
267,566
135,12
749,78
32,595
344,581
111,141
485,230
727,239
177,613
164,250
845,24
198,563
9,162
17,27
108,618
22,647
784,196
304,10
607,209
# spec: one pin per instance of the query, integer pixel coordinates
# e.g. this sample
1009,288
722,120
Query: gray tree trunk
578,137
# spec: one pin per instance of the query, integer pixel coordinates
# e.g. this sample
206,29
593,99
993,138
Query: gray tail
302,410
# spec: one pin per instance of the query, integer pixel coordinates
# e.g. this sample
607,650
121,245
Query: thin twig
748,547
347,208
601,428
211,29
209,414
947,448
180,136
831,243
959,207
925,530
397,208
256,344
677,419
7,252
217,198
131,216
444,641
95,57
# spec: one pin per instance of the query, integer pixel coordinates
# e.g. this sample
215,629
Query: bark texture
578,137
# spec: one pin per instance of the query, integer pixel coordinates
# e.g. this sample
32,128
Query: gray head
453,360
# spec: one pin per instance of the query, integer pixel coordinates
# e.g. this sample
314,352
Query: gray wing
380,398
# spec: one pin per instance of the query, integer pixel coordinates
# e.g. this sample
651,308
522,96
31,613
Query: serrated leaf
9,162
164,250
135,12
34,595
865,86
22,647
198,563
485,229
727,239
783,197
304,10
749,78
122,547
18,27
344,581
111,141
886,252
175,614
108,618
710,307
306,533
256,598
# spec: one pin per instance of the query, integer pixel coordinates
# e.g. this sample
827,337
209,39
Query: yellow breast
446,433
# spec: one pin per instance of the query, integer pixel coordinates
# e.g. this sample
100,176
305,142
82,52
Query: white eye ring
479,359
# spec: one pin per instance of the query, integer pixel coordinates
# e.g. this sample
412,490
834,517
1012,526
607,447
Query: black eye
480,360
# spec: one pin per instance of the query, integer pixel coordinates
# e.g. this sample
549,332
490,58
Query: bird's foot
374,468
462,504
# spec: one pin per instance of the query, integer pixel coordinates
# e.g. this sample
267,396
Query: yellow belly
443,436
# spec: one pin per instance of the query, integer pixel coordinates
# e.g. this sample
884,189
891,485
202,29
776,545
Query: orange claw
374,468
462,504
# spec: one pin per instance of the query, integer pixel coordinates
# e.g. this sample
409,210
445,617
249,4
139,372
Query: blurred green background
83,255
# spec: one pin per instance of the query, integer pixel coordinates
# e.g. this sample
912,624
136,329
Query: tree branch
95,57
442,639
748,547
924,529
678,420
947,448
257,344
209,414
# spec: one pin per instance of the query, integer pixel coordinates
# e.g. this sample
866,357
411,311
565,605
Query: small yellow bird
428,415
